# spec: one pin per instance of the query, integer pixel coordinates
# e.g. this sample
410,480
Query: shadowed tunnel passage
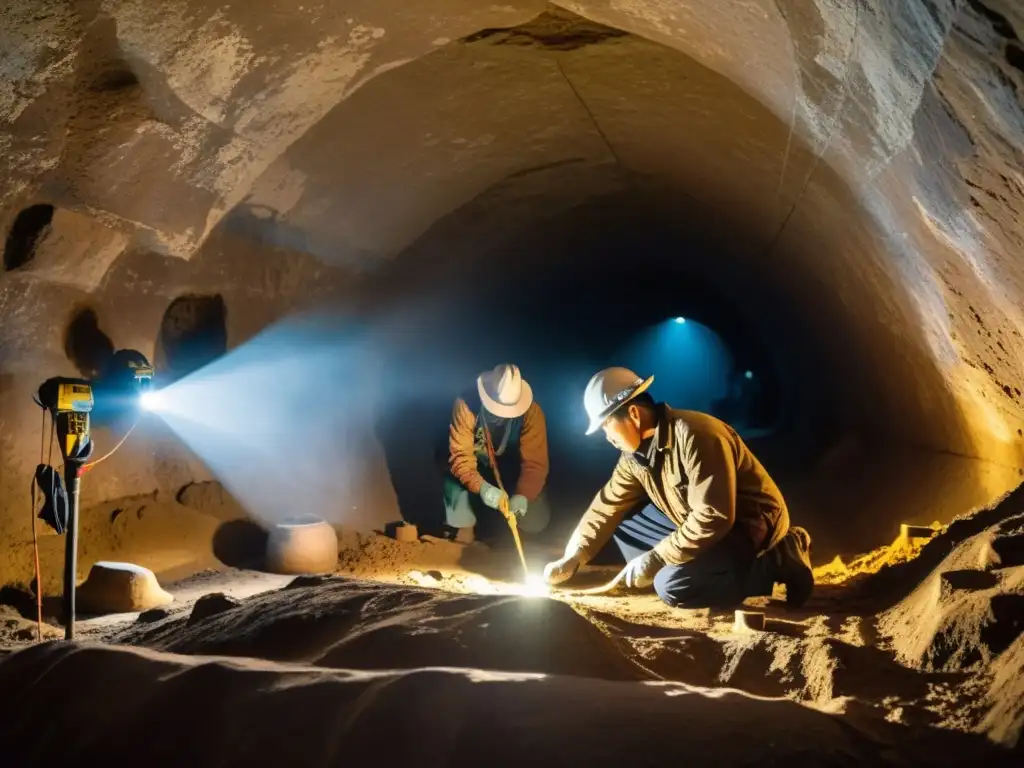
561,295
662,190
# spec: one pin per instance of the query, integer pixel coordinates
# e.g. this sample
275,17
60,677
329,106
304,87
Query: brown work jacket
702,476
466,449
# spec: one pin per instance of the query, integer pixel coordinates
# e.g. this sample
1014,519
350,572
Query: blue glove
491,495
517,505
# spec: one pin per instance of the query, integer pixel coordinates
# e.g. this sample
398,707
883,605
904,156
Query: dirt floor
913,654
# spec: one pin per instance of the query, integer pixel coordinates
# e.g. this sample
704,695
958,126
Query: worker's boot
793,566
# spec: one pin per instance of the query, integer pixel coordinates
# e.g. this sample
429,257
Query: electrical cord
35,537
91,464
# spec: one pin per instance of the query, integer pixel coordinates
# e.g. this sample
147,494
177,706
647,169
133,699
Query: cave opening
602,284
855,446
86,345
28,229
193,333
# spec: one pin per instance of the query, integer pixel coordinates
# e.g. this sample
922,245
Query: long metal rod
71,480
513,524
510,518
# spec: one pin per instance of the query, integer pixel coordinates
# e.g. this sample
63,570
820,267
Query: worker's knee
458,507
672,590
690,586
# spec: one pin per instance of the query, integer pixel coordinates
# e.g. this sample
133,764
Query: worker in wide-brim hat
499,410
690,507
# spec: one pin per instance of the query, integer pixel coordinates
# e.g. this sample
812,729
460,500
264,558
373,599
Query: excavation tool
69,402
510,517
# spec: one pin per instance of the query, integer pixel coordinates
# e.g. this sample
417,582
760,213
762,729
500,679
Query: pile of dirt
896,666
380,557
969,609
176,710
922,659
827,661
341,623
903,549
152,530
918,633
1004,698
16,630
896,581
967,616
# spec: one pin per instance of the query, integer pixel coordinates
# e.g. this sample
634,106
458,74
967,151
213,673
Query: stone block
407,533
211,605
747,621
121,588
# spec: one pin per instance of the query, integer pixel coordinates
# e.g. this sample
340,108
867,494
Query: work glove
639,572
561,570
493,496
517,505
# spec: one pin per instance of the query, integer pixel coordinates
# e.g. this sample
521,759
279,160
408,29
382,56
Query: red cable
35,541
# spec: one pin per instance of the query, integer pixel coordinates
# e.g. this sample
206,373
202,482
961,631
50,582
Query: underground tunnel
323,225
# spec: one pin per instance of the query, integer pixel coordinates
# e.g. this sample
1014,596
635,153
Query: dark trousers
722,577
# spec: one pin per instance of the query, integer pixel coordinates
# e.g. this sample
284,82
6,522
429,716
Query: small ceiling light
749,374
680,320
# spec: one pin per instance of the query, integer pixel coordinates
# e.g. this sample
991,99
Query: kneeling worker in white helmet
497,422
690,507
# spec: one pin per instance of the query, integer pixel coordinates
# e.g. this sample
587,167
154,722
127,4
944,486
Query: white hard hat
504,392
609,390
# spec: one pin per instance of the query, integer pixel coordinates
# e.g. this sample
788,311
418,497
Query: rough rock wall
916,105
867,153
854,188
51,329
159,117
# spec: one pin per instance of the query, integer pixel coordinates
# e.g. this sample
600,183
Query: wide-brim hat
504,392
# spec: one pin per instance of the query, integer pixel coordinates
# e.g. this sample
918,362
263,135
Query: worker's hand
517,505
561,570
639,572
493,497
505,512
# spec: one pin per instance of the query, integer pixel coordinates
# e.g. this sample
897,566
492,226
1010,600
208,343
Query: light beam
286,421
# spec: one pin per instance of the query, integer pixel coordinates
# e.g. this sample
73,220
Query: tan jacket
702,476
465,450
